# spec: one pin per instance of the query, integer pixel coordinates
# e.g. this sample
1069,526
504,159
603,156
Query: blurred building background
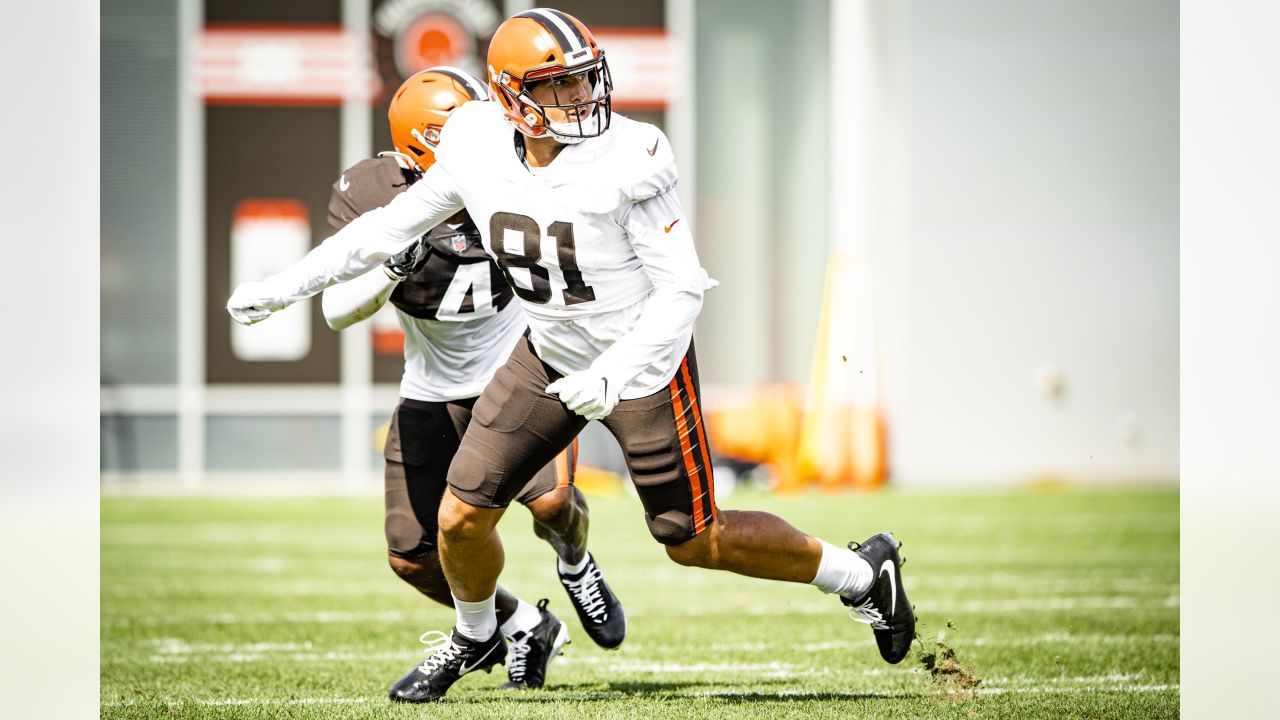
999,177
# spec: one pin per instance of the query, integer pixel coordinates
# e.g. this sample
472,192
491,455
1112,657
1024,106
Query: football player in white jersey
460,325
577,206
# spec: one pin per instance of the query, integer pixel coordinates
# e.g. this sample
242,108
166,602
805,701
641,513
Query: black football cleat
529,653
598,608
884,607
452,658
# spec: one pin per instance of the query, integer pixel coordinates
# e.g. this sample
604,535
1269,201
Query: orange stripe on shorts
702,438
682,431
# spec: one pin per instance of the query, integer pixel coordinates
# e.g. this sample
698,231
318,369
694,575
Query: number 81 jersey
565,236
558,232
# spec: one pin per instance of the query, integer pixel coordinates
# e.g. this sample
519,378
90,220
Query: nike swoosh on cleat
343,183
464,668
654,150
893,584
667,229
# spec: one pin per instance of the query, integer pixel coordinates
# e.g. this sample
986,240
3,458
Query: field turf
1064,603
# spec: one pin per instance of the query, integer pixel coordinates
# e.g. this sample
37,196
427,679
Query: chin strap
565,139
404,161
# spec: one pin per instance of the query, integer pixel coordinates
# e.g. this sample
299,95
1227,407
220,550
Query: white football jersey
584,242
456,310
454,360
595,245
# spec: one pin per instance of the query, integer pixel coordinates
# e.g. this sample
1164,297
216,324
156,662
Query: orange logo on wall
431,40
424,33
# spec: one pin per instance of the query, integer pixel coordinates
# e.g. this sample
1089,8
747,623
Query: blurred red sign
284,65
643,63
327,65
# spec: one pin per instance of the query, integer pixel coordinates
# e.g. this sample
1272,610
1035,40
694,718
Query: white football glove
589,393
253,302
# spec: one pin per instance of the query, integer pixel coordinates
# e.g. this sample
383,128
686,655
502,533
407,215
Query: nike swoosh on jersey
654,150
343,183
893,584
464,669
667,229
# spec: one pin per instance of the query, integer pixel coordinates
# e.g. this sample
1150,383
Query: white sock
525,618
567,569
477,620
842,571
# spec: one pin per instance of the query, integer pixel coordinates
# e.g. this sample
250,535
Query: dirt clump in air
939,660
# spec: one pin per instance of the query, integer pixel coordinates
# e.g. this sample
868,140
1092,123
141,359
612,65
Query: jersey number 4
528,252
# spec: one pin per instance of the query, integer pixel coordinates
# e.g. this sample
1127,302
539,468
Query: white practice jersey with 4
454,360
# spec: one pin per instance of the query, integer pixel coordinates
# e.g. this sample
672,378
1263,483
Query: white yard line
1114,602
177,646
278,586
1046,639
808,607
323,617
553,694
1047,583
290,657
1066,639
174,650
226,702
853,695
1041,690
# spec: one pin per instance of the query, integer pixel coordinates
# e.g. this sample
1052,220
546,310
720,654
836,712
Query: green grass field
1064,603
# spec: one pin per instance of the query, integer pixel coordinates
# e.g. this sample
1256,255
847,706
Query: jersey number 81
529,251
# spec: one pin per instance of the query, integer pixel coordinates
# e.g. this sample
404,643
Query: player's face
565,90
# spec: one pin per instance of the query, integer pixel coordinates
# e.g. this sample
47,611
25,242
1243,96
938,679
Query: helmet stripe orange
575,35
567,35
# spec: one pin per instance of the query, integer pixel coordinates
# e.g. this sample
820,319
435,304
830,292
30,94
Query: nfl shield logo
459,243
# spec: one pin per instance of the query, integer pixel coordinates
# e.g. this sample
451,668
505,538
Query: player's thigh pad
557,473
421,443
664,443
516,430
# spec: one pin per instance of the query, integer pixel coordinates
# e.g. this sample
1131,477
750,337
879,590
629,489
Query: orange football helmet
545,44
422,104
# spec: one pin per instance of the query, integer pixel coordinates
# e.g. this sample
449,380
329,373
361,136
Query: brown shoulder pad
367,185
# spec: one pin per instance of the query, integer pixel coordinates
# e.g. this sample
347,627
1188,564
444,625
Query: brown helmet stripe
565,32
472,86
579,40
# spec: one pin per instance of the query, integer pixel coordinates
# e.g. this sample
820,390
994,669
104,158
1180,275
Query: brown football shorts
518,428
421,443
